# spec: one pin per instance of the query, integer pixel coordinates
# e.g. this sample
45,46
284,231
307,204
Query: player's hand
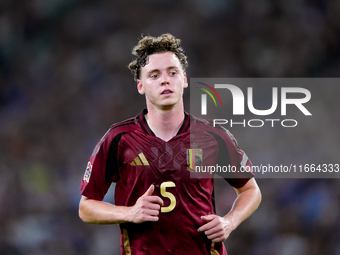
147,207
217,229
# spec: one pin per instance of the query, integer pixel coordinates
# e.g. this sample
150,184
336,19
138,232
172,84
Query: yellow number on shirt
167,194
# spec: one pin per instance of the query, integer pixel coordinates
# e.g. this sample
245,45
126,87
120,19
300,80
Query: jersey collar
145,126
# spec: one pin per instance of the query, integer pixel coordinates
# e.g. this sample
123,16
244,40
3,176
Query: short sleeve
102,168
237,161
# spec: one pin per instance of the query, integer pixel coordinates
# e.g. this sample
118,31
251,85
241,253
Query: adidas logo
140,160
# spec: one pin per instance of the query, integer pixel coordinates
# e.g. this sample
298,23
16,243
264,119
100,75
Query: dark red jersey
130,155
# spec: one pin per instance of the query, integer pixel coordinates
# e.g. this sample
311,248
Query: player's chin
167,106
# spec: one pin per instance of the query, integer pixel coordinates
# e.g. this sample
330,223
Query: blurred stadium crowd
64,81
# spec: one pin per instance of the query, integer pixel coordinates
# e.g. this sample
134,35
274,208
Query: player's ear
185,80
140,87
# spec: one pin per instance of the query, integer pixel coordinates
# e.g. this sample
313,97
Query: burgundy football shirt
130,155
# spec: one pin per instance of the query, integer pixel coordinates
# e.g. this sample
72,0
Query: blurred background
64,80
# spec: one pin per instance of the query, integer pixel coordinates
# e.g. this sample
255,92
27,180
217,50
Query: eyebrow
157,70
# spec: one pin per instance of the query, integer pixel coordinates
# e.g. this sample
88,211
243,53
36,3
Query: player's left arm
219,228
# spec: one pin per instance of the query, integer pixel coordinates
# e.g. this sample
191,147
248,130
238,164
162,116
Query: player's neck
165,123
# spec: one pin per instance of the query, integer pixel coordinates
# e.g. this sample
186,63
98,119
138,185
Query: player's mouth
166,92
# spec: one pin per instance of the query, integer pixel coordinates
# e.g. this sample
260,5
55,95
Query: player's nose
164,79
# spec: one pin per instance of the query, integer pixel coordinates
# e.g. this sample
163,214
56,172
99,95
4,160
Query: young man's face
162,81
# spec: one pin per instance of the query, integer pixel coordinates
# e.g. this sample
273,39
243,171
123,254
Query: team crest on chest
194,158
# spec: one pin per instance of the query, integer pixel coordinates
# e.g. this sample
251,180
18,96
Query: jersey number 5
169,195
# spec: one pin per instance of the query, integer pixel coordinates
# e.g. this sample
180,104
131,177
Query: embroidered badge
88,172
194,158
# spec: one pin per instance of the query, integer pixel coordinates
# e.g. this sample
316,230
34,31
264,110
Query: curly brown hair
150,45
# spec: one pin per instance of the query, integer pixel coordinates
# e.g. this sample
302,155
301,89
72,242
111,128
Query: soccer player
160,207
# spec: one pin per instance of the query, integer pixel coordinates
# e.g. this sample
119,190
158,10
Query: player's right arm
147,208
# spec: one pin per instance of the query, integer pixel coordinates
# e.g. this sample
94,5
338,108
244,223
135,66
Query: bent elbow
82,212
82,215
259,196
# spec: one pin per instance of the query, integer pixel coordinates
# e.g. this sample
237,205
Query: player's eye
154,76
173,73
